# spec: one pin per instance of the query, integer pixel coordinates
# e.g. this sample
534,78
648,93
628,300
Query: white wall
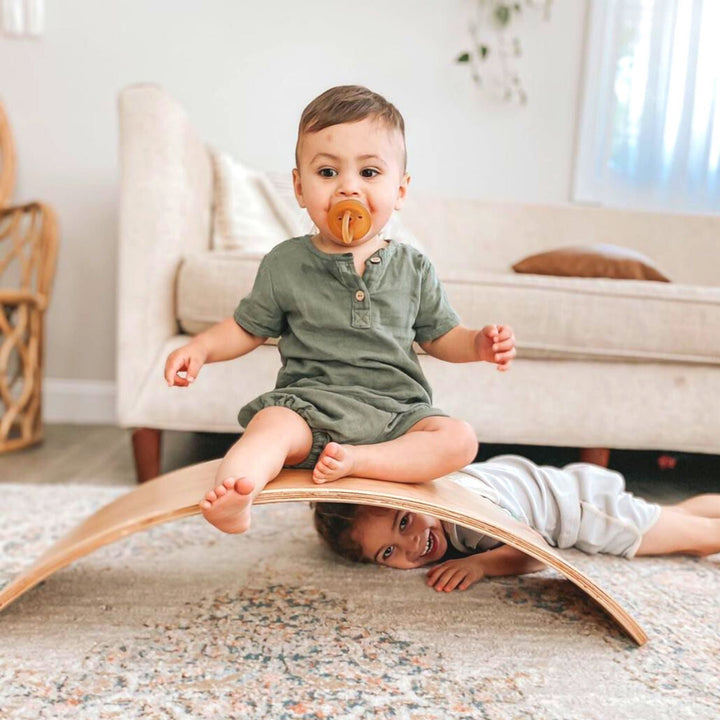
244,71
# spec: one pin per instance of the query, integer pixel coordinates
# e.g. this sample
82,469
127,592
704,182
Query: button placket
375,267
361,308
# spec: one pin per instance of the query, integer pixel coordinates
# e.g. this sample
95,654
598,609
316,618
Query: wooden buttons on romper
349,220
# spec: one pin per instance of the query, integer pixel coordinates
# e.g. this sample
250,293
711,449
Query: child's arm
463,572
225,340
494,343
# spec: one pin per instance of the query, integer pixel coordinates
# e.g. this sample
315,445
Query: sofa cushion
609,261
466,235
571,318
545,402
556,317
210,285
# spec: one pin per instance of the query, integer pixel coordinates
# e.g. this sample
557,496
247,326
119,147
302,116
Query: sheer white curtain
649,135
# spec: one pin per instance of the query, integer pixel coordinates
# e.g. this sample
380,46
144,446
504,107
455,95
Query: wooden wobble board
176,495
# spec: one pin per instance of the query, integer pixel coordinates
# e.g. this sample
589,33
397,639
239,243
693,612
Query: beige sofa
601,363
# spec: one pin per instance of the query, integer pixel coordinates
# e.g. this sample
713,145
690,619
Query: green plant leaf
463,57
502,14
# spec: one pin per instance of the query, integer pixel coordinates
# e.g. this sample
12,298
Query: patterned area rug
184,622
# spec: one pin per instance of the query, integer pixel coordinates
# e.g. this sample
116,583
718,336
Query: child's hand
188,359
496,344
460,574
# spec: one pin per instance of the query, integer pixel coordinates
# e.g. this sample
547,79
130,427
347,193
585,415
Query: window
649,134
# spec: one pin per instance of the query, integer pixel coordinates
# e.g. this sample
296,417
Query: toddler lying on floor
581,505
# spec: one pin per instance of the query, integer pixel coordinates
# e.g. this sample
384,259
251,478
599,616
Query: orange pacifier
349,220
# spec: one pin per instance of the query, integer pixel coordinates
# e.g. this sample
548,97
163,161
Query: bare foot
227,507
335,462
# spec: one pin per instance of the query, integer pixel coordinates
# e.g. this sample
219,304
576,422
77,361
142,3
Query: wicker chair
28,251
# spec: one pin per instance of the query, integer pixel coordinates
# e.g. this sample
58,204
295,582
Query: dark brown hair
335,522
346,104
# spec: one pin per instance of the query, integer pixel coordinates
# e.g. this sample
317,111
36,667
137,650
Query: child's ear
297,187
402,191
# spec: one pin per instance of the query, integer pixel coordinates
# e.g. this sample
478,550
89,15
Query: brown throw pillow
608,261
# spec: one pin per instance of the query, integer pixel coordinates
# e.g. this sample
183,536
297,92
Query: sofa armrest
166,190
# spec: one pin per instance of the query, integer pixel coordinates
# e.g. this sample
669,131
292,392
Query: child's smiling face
361,161
399,538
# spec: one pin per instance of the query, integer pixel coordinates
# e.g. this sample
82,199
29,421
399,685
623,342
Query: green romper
348,364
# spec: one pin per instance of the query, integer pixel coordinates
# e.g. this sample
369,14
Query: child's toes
211,496
333,451
243,486
220,490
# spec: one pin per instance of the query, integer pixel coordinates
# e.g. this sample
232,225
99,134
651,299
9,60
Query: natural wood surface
147,450
7,159
596,456
28,250
176,495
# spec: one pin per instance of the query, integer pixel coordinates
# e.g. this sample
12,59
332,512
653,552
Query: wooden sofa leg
596,456
146,448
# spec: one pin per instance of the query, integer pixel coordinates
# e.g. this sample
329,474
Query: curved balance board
176,495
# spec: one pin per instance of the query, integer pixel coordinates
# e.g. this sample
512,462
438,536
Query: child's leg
432,447
677,531
703,505
276,436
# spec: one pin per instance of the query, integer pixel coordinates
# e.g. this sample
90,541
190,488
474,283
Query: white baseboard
80,402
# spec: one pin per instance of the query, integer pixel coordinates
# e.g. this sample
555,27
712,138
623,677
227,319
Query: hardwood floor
102,455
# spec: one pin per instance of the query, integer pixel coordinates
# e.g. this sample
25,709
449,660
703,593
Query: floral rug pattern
184,622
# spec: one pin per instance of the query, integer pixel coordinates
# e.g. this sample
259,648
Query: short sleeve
435,314
467,541
259,312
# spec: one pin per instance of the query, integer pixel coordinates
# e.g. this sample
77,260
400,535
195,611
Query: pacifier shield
349,220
